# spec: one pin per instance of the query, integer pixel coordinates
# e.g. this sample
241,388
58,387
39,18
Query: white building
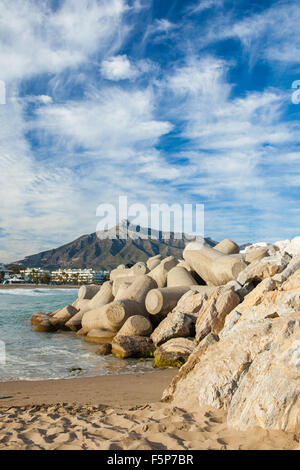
37,271
82,276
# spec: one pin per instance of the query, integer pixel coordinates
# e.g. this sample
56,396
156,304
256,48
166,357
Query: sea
27,355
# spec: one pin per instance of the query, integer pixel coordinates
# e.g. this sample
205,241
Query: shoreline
37,286
99,390
118,412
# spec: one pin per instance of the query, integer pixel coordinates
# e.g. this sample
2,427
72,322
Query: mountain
90,251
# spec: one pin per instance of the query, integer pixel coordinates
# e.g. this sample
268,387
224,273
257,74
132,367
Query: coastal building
59,276
78,276
6,273
15,280
29,271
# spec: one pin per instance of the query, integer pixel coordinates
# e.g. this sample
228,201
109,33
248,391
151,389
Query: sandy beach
117,412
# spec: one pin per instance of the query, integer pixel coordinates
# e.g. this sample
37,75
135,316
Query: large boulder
291,247
241,291
269,394
266,267
193,300
293,282
175,325
173,353
268,300
40,322
291,268
211,265
254,298
211,317
132,346
253,372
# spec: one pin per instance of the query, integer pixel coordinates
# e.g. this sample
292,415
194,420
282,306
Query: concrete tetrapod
75,322
213,266
88,292
159,274
153,262
116,273
103,297
122,291
180,276
118,311
94,319
119,281
137,325
139,288
134,304
162,301
228,247
99,335
60,318
138,268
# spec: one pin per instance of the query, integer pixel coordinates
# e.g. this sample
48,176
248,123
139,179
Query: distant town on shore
20,275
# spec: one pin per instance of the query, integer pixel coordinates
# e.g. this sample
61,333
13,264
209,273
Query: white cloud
239,154
121,68
40,198
118,68
36,39
271,34
160,29
234,144
35,198
205,5
112,120
162,25
38,99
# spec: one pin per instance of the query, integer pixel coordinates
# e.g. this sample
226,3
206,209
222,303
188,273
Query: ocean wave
34,292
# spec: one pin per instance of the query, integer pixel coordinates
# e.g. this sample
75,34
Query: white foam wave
35,292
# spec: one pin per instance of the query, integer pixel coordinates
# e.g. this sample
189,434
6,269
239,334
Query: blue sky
163,101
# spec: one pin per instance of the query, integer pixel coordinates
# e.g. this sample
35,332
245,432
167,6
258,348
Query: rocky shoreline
229,320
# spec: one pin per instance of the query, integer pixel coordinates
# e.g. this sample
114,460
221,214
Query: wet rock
173,353
104,349
132,346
